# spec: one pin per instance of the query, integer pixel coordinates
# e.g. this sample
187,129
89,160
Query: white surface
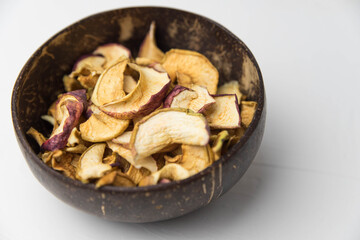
305,181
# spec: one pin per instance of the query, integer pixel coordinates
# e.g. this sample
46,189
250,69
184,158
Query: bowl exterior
40,81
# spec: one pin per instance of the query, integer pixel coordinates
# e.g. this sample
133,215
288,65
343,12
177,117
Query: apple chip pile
136,122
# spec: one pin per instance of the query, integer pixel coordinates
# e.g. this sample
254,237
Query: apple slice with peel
67,114
165,127
101,127
196,99
112,53
110,86
224,114
148,95
90,163
148,48
192,67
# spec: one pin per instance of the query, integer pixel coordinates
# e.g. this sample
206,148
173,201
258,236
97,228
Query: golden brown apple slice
165,127
123,139
147,162
218,143
148,48
196,158
192,67
147,96
171,171
225,112
90,163
101,127
248,109
110,86
232,87
112,53
115,178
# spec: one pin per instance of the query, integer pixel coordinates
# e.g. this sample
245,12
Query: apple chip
170,171
71,84
218,143
39,138
123,139
195,158
232,87
146,162
248,109
112,53
165,127
101,127
148,48
90,163
129,84
115,178
146,97
90,63
136,174
62,161
196,68
196,99
68,112
225,112
110,86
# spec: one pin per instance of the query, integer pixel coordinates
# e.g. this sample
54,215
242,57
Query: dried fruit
112,53
196,158
116,178
90,163
218,143
148,48
39,138
194,68
170,171
225,112
101,127
232,87
147,96
247,113
167,126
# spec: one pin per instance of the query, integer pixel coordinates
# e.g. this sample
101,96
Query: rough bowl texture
41,80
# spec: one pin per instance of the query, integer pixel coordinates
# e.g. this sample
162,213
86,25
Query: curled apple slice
68,111
90,163
192,67
232,87
165,127
39,138
171,171
110,86
148,48
147,96
102,127
225,112
147,162
123,139
196,99
112,53
218,143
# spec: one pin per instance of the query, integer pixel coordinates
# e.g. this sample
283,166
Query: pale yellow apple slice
112,53
102,127
148,48
232,87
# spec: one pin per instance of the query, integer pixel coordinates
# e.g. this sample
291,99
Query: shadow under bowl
40,81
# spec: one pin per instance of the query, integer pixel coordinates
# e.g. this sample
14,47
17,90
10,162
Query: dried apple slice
112,53
196,99
129,84
68,111
218,143
101,127
148,48
136,174
232,87
90,62
195,158
39,138
225,112
248,109
115,178
110,86
171,171
147,162
123,139
71,84
90,163
194,67
147,96
165,127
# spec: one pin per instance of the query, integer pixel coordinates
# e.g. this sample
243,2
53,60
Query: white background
305,180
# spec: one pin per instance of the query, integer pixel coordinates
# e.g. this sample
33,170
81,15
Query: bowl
40,81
